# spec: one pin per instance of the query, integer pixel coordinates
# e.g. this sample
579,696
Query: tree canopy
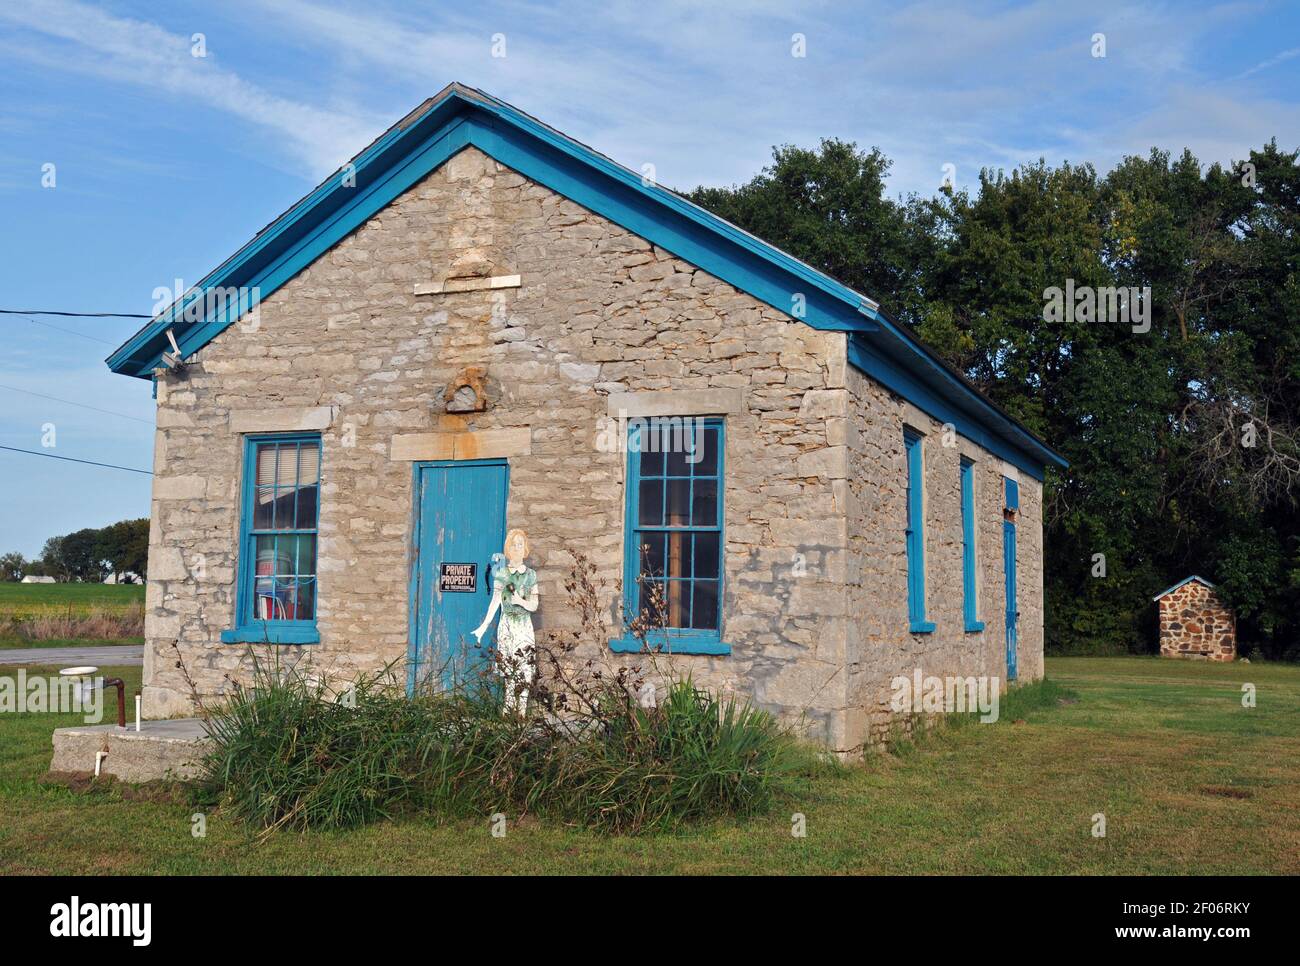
89,555
1180,414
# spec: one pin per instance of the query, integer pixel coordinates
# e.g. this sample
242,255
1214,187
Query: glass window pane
707,554
305,605
264,509
704,503
679,554
297,554
679,603
308,464
678,452
652,554
652,457
651,503
307,504
679,503
267,464
707,454
705,612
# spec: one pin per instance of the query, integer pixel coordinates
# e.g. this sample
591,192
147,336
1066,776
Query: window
672,573
276,597
970,594
915,534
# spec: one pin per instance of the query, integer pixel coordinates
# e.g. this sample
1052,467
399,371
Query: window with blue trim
915,533
970,593
674,540
276,596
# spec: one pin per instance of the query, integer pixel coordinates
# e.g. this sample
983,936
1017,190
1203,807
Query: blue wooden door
460,523
1013,613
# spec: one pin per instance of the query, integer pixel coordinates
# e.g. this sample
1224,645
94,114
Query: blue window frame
970,594
275,600
673,534
915,532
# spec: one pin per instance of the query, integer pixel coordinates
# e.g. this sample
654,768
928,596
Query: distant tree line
1179,413
88,555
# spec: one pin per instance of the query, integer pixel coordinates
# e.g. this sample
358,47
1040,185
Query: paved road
110,655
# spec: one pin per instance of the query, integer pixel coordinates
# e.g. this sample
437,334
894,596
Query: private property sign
458,578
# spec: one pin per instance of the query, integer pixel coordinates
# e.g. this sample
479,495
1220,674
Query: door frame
413,550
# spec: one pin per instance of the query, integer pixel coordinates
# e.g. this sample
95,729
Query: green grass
24,601
9,643
1188,779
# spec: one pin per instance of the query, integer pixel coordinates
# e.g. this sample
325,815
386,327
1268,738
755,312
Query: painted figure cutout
514,592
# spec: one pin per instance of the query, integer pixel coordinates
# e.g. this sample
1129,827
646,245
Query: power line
69,459
76,315
96,409
59,328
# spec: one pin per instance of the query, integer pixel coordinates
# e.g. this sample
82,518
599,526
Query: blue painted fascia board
651,214
299,219
683,206
974,417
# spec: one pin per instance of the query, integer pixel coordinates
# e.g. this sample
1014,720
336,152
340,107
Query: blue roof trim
1185,580
910,372
458,117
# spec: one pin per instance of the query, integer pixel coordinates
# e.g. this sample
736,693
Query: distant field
52,615
25,601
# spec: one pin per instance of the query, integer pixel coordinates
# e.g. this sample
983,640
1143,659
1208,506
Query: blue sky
165,162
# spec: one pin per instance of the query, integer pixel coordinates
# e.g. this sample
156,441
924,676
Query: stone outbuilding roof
1185,580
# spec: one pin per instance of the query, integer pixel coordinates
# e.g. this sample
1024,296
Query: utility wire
96,409
80,335
69,459
77,315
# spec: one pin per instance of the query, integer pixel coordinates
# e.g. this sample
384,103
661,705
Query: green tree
12,567
1183,438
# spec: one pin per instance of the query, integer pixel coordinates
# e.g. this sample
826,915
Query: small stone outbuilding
480,324
1195,622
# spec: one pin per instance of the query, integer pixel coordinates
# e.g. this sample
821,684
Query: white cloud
141,54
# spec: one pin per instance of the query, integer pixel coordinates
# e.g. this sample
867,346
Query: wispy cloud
144,55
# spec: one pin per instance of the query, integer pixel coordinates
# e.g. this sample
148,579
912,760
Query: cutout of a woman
514,592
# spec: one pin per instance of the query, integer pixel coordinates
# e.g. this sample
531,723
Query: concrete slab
159,750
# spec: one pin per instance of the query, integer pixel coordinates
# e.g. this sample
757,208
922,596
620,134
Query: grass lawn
1188,779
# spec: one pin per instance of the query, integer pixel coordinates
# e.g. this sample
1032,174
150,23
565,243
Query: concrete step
160,749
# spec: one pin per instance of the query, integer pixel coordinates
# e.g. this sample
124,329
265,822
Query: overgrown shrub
290,753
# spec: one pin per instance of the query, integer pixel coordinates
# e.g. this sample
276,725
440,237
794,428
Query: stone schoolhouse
441,341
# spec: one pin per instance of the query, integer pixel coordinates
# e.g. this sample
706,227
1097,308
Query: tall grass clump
289,753
602,748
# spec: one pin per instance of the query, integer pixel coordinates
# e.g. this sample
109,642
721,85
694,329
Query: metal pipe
121,699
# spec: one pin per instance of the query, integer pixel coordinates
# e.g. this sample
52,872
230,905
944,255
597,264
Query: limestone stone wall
814,581
347,345
1195,623
880,644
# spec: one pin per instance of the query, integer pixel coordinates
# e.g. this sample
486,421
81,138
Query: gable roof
460,116
1185,580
